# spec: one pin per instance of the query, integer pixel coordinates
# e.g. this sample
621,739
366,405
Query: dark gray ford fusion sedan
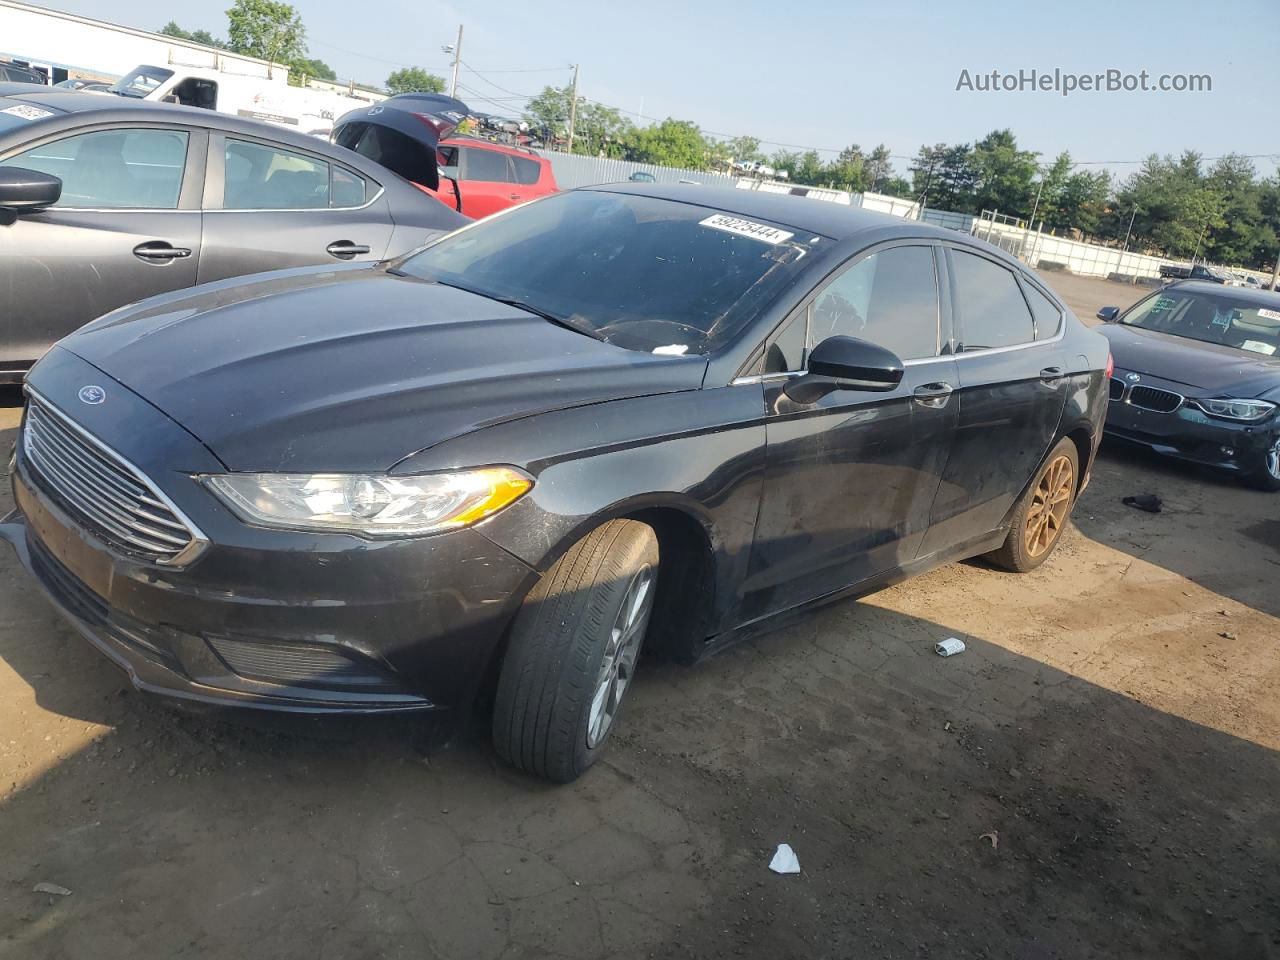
492,470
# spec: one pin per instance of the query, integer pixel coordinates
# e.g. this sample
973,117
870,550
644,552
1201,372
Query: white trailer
159,67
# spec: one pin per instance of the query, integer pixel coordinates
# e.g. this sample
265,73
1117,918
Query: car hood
323,370
1209,367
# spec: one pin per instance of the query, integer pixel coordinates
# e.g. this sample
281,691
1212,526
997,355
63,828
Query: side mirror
26,191
1108,314
846,363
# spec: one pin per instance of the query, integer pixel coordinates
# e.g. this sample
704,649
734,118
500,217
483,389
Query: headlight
1230,409
371,506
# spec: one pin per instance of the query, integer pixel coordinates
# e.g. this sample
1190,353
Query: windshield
1212,318
638,272
141,82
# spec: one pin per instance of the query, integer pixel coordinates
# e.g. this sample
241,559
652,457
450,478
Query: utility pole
1036,205
573,106
1275,272
457,57
1130,230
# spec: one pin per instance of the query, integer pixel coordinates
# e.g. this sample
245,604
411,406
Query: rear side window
527,171
992,311
889,298
258,177
1048,316
120,169
348,189
486,165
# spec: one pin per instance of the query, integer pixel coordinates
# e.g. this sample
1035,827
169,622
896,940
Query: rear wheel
1042,513
573,651
1266,476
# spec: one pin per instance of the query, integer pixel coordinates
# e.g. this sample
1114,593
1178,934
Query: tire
572,652
1035,532
1267,474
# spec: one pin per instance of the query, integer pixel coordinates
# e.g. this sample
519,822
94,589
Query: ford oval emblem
1132,377
92,394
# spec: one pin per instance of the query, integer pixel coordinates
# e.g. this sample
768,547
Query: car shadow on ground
985,804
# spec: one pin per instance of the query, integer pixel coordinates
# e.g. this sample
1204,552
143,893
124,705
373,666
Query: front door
126,227
850,479
269,207
1013,381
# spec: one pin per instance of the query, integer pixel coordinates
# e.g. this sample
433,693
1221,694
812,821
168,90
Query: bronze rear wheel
1041,515
1050,504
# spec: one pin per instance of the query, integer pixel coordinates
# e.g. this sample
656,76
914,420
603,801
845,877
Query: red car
490,176
410,135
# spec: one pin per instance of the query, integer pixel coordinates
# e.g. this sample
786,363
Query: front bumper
281,620
1188,433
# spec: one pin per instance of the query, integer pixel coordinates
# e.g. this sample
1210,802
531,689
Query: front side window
487,165
125,169
1210,317
889,298
992,311
258,177
638,272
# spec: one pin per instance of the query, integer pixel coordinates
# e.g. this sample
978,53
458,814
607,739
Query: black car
1197,376
108,200
499,464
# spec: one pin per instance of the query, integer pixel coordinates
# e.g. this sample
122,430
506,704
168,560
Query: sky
825,74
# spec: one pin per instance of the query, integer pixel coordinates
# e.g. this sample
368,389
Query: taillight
1111,365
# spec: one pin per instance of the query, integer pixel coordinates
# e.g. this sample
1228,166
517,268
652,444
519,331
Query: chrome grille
102,489
1153,398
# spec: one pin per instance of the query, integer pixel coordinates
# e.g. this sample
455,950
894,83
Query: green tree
1003,174
673,143
414,80
267,29
171,29
312,68
877,169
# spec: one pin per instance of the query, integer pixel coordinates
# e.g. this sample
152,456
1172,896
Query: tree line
1181,207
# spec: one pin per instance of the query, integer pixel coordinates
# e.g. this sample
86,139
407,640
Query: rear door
1013,372
268,206
488,183
850,479
126,227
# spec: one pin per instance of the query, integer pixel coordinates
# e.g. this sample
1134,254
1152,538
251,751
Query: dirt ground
1097,776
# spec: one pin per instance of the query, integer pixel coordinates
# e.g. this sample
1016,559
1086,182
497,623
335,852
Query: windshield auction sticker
746,228
27,112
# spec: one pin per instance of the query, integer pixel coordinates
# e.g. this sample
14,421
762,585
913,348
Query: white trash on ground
949,647
53,888
785,860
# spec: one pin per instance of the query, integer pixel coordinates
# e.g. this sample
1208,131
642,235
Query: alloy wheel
1273,459
619,662
1050,504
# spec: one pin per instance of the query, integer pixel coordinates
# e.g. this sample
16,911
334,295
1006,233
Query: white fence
1084,259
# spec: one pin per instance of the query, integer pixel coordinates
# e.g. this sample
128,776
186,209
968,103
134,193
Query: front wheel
573,651
1267,474
1042,513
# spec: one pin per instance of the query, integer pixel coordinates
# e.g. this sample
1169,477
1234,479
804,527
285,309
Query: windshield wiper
567,322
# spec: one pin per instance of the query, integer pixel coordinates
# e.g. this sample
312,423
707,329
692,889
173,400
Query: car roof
1261,298
834,220
124,109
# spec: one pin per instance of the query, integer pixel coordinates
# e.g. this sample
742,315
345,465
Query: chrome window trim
198,539
766,377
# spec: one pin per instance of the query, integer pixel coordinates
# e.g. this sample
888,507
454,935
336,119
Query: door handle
160,251
345,249
513,196
933,395
1049,374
